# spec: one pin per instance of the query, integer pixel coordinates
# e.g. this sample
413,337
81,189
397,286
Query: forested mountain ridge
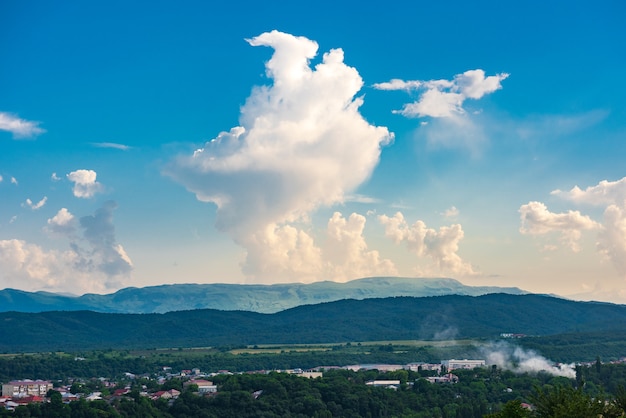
230,297
399,318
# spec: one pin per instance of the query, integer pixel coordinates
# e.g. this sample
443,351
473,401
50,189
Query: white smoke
520,360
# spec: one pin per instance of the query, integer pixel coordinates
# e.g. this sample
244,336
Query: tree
566,402
512,409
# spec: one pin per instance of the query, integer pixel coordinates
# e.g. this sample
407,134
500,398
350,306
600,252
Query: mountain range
243,297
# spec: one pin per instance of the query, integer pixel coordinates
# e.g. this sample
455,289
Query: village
168,385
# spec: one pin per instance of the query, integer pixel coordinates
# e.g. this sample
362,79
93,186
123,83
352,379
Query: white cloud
612,238
85,184
536,219
445,98
94,262
20,128
1,178
451,212
34,206
302,144
14,181
348,253
111,145
441,246
397,84
288,253
99,231
62,223
282,253
54,177
604,193
30,267
612,235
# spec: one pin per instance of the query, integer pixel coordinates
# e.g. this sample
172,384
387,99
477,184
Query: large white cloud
440,246
20,128
445,98
536,219
302,144
85,184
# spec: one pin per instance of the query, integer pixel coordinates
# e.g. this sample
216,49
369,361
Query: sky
147,143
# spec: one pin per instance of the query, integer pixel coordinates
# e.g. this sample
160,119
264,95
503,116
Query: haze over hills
398,318
244,297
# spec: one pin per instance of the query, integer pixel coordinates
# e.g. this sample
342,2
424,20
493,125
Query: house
22,388
162,394
204,386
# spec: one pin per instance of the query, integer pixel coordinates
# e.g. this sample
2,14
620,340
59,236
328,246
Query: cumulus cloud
85,184
20,128
62,223
14,181
536,219
99,231
282,252
440,246
35,206
54,177
29,265
445,98
604,193
348,253
611,238
1,178
94,261
302,144
286,252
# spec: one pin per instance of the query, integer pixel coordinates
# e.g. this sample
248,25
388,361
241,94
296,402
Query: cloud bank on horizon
538,220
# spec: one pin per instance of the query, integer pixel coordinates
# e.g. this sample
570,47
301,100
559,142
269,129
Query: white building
462,364
22,388
204,386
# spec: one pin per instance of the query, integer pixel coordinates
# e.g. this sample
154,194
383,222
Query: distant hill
399,318
245,297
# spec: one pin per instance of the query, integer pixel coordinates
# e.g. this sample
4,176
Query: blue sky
162,142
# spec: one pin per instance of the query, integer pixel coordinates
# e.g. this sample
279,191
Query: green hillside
400,318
